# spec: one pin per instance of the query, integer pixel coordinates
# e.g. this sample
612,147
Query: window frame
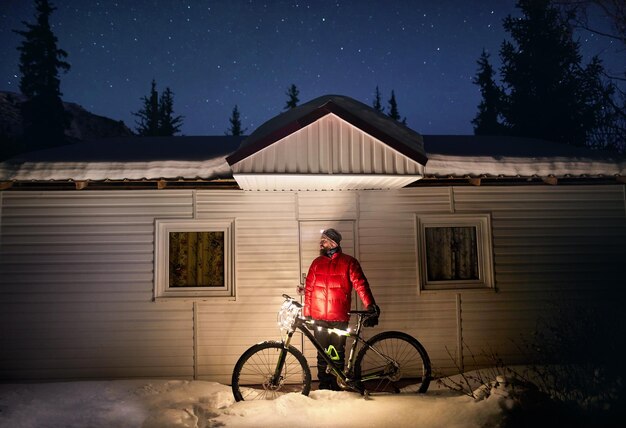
162,289
484,244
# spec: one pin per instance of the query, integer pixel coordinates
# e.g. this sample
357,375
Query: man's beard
327,251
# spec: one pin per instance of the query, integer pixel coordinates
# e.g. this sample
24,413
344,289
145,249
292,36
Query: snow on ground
176,403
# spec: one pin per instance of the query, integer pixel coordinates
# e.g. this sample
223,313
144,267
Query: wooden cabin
167,257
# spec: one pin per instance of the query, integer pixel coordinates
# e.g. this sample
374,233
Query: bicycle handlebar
288,297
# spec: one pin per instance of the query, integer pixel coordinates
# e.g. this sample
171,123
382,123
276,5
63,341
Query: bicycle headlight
287,314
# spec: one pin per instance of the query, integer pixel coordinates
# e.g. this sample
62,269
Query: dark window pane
451,253
196,259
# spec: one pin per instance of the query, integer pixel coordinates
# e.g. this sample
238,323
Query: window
194,258
454,251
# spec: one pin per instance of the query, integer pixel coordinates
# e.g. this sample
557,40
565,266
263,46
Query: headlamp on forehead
332,235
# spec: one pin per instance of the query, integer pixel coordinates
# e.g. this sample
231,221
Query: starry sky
217,54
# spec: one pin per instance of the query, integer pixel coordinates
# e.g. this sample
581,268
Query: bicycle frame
346,375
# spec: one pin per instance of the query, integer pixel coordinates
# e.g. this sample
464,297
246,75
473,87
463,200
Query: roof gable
330,143
328,154
369,120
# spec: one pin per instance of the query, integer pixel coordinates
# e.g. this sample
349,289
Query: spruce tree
377,104
235,124
43,113
488,119
544,79
393,109
292,97
156,116
148,124
168,123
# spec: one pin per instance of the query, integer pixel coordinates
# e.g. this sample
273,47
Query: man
327,298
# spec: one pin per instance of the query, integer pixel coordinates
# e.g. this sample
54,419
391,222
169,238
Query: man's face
326,244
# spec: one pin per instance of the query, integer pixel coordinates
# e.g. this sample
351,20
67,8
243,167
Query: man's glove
372,320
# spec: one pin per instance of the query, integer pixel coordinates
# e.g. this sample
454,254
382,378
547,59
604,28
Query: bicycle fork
277,377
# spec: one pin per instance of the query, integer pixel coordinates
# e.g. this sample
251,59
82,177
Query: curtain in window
451,253
196,259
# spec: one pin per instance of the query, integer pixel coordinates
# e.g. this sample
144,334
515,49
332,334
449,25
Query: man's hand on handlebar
372,320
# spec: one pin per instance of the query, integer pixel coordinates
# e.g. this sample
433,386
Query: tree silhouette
547,89
393,109
43,114
488,121
148,124
377,104
612,130
578,12
156,116
168,123
235,124
292,97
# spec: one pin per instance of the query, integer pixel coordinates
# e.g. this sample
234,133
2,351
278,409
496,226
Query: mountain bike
389,362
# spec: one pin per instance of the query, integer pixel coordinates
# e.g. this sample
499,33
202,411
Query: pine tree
148,124
393,109
235,124
377,104
156,117
168,123
544,79
488,119
43,113
292,100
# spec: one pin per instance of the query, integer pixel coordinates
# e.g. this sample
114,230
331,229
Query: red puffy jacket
329,284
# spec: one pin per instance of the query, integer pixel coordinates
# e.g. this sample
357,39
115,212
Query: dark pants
328,340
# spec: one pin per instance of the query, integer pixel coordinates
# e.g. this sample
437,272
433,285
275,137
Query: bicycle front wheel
254,374
393,362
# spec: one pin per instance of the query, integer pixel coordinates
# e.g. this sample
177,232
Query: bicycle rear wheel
394,362
254,371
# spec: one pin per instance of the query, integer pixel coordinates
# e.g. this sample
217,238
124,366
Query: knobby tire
254,371
414,373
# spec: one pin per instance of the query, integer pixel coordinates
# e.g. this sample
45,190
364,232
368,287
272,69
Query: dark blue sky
215,54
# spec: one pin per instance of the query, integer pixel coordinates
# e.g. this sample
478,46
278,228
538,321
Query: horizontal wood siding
552,246
76,287
387,248
267,265
76,274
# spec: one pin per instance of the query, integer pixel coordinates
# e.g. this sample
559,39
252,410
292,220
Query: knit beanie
332,235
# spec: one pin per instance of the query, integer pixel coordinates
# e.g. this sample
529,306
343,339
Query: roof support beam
5,185
552,180
81,184
474,181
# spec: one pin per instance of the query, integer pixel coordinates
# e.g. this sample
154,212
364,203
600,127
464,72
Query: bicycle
389,362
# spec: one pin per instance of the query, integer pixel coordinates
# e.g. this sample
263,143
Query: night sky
215,54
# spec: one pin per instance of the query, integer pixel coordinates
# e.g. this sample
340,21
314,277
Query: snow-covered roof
133,158
172,158
493,156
